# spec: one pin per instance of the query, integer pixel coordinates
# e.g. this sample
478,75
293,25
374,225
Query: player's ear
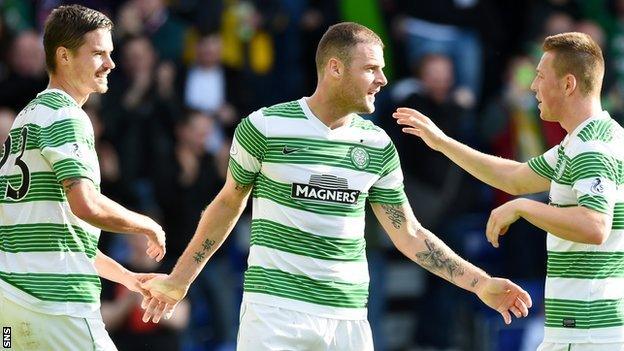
335,67
62,56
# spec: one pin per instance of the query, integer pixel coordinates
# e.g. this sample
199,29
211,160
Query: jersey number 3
17,194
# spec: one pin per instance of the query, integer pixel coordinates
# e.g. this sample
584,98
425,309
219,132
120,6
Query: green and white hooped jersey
310,185
585,283
46,252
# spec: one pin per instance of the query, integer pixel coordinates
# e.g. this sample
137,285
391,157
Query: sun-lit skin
363,78
548,88
349,87
84,70
559,98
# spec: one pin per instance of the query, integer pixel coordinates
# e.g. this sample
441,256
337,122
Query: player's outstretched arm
216,223
507,175
110,269
424,248
96,209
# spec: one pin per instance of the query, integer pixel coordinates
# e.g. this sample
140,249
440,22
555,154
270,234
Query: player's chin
101,88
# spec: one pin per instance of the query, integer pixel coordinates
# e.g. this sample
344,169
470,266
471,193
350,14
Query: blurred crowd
189,70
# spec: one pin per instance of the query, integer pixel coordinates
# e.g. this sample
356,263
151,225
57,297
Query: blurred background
189,70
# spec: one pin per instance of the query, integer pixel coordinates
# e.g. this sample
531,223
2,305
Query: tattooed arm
216,223
98,210
426,249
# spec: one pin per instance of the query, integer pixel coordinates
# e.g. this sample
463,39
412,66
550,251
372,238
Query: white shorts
36,331
264,328
549,346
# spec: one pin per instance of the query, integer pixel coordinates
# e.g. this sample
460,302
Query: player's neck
579,111
325,108
58,82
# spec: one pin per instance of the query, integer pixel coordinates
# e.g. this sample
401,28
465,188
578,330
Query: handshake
161,294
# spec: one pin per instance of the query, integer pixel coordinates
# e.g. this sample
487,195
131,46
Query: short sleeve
388,189
594,175
545,164
69,147
248,149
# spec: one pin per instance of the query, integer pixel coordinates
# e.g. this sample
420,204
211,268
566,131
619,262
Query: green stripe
587,314
387,196
65,131
391,160
47,237
585,265
597,203
250,138
601,130
57,287
281,193
290,109
280,237
52,100
299,287
72,168
240,175
595,165
43,187
618,216
540,166
70,130
328,153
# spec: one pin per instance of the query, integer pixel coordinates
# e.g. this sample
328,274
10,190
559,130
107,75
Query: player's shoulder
603,136
289,109
51,106
369,131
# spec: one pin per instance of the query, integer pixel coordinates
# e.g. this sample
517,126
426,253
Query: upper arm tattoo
395,214
242,187
436,260
69,184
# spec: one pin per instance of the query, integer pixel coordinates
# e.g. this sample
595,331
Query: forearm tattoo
474,282
206,246
435,260
241,187
395,214
199,256
69,184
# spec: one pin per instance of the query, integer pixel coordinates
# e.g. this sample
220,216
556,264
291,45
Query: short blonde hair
579,55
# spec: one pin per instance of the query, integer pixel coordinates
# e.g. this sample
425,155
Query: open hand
420,125
504,296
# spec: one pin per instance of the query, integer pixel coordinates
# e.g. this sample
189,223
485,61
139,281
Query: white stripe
32,158
584,289
612,148
244,158
44,116
46,262
78,151
391,180
599,337
74,309
300,173
306,307
43,212
319,224
348,272
615,243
